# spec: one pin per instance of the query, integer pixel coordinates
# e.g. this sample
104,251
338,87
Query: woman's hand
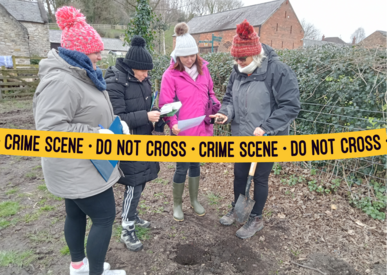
153,116
259,132
175,130
219,118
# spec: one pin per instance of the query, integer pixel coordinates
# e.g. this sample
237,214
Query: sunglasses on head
242,59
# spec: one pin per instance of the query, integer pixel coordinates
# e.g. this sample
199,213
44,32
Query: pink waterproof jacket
179,86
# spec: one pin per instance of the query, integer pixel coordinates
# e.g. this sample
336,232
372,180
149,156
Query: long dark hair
180,67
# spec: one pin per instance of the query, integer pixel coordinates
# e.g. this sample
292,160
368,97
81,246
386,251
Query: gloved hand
125,128
105,131
159,127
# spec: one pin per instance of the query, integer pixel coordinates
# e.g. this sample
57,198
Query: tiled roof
25,10
255,15
113,44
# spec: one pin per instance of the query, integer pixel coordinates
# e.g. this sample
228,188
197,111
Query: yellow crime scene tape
193,149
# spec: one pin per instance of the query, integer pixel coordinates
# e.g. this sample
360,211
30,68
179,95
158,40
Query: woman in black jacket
130,93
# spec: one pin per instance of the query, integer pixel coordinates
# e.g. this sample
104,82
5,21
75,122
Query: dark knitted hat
138,57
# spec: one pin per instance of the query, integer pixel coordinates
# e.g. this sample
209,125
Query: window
293,45
271,43
291,29
285,14
282,44
276,29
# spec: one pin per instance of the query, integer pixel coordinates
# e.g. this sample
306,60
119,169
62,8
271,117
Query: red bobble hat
77,35
246,41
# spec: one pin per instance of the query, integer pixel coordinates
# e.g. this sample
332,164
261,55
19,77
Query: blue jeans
182,168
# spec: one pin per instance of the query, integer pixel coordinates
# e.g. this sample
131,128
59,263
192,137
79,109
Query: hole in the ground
189,254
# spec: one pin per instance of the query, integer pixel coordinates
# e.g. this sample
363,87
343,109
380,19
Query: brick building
375,40
275,22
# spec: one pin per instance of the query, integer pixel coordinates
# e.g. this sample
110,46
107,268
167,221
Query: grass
213,198
16,258
41,236
42,187
47,208
42,202
31,217
143,233
4,223
65,250
51,196
12,191
159,195
31,175
7,105
8,208
162,181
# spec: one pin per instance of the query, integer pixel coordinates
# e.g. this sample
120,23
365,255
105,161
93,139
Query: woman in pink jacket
188,80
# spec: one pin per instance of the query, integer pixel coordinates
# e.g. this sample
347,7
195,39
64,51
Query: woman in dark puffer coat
130,93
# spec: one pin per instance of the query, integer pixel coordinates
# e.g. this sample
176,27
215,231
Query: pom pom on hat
137,41
138,57
67,17
181,29
246,41
185,43
77,35
245,30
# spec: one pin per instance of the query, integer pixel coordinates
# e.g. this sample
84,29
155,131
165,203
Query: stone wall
39,38
13,35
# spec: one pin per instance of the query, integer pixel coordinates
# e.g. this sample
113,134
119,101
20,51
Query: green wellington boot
178,189
193,186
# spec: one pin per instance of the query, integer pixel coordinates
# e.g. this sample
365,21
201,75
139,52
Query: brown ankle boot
252,226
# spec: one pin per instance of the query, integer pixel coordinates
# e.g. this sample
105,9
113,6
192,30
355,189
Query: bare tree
310,31
359,35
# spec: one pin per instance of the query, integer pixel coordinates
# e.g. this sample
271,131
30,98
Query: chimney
354,40
323,38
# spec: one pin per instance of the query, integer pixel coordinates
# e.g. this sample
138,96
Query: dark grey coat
268,98
131,101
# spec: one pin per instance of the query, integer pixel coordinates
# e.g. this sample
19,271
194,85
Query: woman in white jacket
71,97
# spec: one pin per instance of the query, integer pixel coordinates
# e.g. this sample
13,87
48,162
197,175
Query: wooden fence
18,82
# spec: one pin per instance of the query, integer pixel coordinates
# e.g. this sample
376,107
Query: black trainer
129,238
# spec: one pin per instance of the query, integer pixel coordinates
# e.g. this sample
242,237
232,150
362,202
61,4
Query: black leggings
261,183
101,209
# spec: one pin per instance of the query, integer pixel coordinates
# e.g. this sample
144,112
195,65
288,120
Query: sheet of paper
189,123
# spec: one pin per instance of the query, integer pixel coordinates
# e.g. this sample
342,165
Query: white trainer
114,272
84,270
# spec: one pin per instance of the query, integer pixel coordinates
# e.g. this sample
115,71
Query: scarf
192,72
249,69
81,60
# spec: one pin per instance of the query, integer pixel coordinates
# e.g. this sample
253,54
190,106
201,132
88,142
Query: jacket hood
270,53
54,62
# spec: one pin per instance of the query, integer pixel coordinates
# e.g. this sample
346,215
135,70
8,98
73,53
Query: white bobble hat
185,43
